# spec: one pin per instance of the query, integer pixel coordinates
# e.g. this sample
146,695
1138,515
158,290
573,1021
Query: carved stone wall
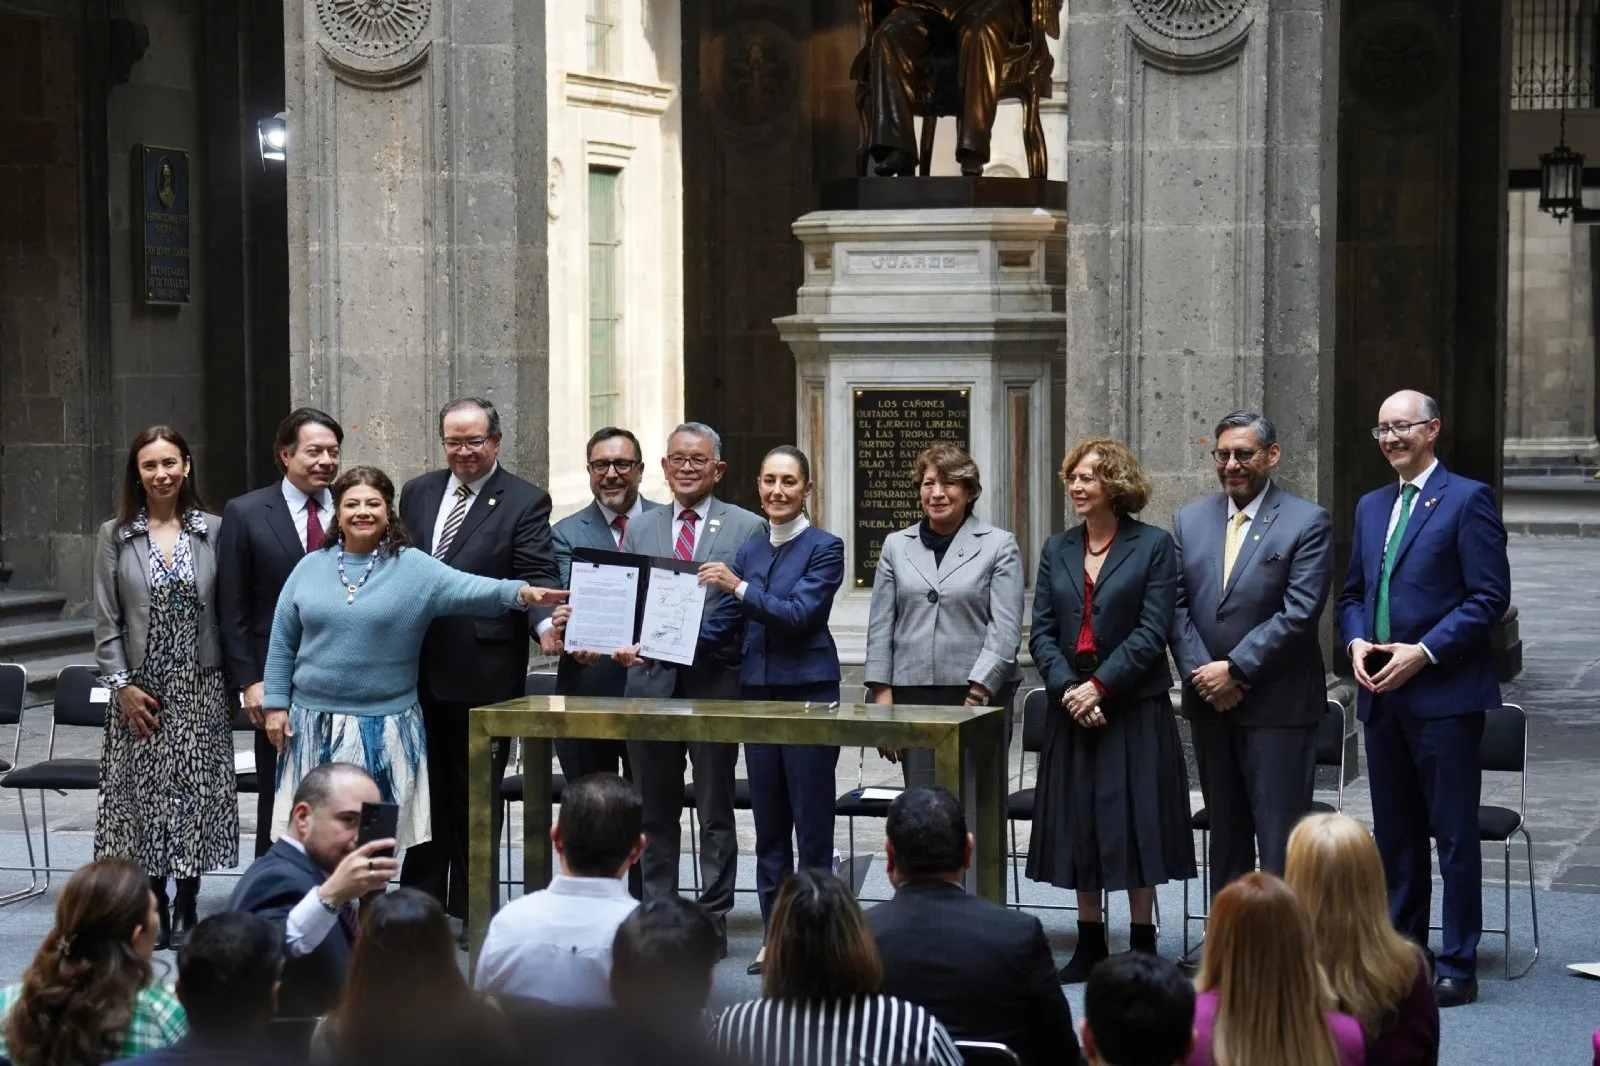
1196,133
417,220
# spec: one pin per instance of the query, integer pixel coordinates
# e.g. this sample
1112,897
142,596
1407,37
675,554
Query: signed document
603,601
673,605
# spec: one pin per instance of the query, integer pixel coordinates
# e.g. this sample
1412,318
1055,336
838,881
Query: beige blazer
122,597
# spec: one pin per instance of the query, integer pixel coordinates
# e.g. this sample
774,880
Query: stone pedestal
906,319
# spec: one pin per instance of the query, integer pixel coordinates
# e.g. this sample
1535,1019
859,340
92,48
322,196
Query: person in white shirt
554,945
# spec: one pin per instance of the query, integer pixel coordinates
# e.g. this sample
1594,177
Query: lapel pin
491,501
1267,521
1431,502
1256,537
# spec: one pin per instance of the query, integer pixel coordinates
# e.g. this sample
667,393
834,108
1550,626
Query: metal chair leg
1533,910
694,852
1016,878
33,888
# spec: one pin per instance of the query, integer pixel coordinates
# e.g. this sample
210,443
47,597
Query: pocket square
1275,557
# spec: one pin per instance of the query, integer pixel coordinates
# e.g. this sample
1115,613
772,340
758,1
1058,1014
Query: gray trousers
1257,783
658,767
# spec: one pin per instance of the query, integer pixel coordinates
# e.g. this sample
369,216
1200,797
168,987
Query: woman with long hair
167,786
785,583
1262,999
341,678
1377,976
89,995
821,992
405,999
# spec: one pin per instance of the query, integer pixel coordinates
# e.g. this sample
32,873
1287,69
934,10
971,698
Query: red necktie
684,549
621,524
313,526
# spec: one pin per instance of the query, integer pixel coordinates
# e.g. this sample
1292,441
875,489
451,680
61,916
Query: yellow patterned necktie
1230,545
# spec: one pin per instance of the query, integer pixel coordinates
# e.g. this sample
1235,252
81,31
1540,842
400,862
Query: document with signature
604,599
673,604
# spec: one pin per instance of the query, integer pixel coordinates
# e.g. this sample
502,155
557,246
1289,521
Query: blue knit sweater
327,654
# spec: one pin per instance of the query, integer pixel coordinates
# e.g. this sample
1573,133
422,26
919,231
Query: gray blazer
1265,621
950,624
122,597
718,540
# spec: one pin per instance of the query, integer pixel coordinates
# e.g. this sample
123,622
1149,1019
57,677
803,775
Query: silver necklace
349,586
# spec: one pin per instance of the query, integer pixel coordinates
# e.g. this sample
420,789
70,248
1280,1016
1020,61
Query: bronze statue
933,57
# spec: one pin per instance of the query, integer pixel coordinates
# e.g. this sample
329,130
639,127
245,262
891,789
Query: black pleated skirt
1111,806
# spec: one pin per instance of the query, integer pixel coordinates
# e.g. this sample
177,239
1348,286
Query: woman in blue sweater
786,582
341,677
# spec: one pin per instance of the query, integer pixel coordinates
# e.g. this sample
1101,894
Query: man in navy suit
310,885
478,517
616,467
1428,579
264,535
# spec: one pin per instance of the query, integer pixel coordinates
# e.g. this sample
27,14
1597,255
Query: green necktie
1380,628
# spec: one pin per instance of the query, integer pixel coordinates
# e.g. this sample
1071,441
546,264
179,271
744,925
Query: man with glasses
700,527
1255,563
1428,578
478,517
616,467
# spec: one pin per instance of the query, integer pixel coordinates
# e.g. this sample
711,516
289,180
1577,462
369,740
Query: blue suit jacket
271,887
1450,584
786,608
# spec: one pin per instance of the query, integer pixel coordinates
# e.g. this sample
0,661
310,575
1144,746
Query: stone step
34,606
42,674
42,640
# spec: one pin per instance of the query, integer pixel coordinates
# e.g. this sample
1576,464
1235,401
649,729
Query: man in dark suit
616,467
700,527
984,970
264,535
311,882
478,517
1428,579
1255,564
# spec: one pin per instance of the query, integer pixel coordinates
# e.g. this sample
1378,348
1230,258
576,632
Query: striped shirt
864,1031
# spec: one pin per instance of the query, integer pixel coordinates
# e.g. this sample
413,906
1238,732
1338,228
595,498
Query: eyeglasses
1399,429
622,466
691,462
471,444
1242,456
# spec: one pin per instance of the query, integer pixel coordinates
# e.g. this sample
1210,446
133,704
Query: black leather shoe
158,886
184,912
1455,991
754,969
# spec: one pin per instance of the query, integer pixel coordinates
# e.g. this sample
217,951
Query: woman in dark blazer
785,583
1111,807
167,788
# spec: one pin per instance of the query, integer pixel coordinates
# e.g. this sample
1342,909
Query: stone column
1550,373
417,222
1196,273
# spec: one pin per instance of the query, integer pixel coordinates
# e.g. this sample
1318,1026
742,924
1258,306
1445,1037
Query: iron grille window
1553,54
605,306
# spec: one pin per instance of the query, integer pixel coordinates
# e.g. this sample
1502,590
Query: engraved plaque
892,427
164,226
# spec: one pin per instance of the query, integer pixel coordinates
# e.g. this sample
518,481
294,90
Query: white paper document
672,609
603,600
887,794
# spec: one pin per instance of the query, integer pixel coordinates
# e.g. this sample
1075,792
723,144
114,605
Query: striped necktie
452,522
684,548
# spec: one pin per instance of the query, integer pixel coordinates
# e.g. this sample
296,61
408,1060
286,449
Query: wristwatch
331,908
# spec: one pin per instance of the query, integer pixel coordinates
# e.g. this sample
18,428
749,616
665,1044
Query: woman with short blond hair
1377,976
1262,999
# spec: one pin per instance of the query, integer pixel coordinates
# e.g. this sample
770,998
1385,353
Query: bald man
1428,579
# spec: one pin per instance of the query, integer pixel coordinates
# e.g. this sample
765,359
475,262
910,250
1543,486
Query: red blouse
1086,630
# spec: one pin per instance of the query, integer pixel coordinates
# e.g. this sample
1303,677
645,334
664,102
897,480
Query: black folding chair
1019,804
1504,749
13,691
1331,746
986,1053
75,705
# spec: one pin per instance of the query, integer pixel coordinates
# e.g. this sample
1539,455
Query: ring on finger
371,866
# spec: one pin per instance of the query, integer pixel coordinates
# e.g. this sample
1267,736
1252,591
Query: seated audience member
822,992
406,1000
310,884
984,970
1378,977
228,984
554,945
89,995
1138,1010
1262,998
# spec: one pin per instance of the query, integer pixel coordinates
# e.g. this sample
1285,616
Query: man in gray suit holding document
1254,567
699,527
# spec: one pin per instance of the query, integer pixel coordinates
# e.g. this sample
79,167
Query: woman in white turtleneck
786,582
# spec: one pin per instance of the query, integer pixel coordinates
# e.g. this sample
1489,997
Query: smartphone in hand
379,821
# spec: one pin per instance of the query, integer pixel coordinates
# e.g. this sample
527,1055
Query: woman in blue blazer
785,583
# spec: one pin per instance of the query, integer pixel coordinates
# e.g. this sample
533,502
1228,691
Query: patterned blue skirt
392,748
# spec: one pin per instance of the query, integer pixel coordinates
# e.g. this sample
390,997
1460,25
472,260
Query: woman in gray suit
166,767
1111,805
946,614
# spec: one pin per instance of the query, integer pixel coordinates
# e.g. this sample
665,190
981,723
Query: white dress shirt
448,504
1250,509
555,944
297,508
309,922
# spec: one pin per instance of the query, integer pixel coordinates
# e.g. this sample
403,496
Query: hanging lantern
1560,182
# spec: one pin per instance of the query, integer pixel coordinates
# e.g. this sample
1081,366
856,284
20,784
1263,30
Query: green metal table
968,745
